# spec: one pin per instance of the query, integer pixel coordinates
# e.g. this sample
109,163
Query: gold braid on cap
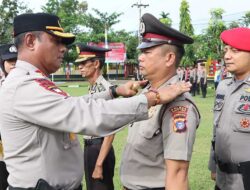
54,28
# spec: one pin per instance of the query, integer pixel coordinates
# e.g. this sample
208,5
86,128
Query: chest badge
179,117
244,108
245,123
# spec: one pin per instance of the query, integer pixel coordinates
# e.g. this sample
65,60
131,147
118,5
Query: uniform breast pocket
241,118
149,142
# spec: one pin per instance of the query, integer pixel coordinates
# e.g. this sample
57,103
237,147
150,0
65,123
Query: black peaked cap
156,33
41,22
87,52
8,51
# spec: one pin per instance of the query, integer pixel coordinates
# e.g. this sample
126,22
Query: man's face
87,68
9,65
50,52
237,61
151,62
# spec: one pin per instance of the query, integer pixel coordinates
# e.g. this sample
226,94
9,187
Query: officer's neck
157,82
93,78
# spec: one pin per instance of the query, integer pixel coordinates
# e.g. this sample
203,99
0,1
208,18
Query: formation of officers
39,122
197,77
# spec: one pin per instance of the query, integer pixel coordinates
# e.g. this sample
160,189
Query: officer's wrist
153,97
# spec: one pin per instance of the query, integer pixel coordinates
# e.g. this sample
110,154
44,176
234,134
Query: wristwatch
113,91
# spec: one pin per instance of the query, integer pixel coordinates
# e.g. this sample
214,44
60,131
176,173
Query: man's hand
167,94
170,92
97,173
130,88
213,176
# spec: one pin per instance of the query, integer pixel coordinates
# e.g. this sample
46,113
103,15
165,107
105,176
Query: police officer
38,120
99,157
230,150
8,56
158,150
193,80
203,80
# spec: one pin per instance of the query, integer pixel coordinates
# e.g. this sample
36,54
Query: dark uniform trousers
194,86
91,151
3,176
203,88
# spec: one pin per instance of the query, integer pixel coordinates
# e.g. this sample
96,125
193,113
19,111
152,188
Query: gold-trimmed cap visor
41,22
82,58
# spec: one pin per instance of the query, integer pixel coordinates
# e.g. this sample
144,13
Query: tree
215,27
165,19
234,24
186,27
8,10
102,21
70,13
246,19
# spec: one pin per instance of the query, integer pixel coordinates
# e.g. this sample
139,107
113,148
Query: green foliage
104,20
215,27
8,10
69,12
234,24
246,19
165,19
187,28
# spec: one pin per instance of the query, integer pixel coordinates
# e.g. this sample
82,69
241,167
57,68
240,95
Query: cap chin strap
161,41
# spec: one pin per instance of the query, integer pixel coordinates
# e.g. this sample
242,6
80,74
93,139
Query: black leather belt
228,167
157,188
95,141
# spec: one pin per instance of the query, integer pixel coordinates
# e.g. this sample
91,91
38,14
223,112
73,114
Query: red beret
238,38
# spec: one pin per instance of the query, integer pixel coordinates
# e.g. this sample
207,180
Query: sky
199,10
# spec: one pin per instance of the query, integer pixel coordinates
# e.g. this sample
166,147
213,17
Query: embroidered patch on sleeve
179,117
50,86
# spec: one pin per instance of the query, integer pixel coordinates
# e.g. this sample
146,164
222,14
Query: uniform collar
25,65
246,80
31,69
99,79
172,80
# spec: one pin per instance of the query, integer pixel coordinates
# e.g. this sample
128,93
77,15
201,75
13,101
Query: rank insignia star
244,123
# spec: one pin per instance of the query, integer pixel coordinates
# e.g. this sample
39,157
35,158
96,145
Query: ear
29,41
170,59
97,64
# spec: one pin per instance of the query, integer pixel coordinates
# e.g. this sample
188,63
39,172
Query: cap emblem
12,49
142,27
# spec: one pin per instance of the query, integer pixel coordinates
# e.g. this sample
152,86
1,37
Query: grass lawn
199,176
